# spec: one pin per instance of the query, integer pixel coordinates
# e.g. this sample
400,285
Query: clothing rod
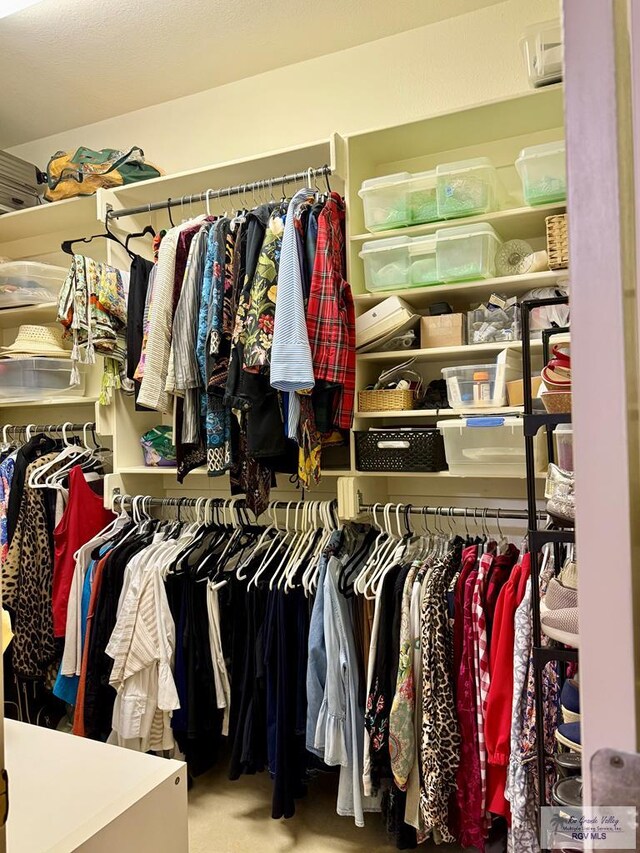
184,502
470,513
57,427
319,172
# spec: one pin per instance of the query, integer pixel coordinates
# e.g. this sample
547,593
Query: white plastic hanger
393,555
69,450
369,564
273,549
282,565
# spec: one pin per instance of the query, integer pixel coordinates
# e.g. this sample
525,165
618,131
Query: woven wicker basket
385,400
557,242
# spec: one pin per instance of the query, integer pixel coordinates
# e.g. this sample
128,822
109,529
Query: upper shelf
459,353
232,173
532,111
511,285
519,222
70,215
32,314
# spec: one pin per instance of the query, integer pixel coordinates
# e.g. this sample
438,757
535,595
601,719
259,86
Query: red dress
499,703
84,517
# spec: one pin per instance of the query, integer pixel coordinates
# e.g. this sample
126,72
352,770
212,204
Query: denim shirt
341,718
317,665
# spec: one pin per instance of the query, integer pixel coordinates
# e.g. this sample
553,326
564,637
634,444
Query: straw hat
36,340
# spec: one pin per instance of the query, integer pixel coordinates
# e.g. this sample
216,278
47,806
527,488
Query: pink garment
468,779
482,678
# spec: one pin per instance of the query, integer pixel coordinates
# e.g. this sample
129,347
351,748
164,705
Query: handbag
560,492
86,171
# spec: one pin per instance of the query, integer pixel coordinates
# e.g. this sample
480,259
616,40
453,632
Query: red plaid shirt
331,323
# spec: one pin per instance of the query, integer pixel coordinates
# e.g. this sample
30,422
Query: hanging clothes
92,309
85,515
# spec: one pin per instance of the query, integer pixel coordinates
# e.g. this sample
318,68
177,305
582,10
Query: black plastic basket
400,450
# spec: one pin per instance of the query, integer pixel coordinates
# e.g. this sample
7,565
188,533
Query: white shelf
271,164
418,297
472,351
53,401
518,222
70,215
440,475
414,414
202,471
29,314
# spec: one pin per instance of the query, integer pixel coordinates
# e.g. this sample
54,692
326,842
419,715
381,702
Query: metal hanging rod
471,513
319,172
68,427
184,502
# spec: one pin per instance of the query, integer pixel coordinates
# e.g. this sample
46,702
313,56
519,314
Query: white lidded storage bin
466,188
386,263
385,202
542,48
424,266
37,378
477,386
423,197
467,252
543,172
29,283
563,435
485,447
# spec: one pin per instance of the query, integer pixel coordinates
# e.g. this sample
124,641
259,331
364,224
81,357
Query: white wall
434,69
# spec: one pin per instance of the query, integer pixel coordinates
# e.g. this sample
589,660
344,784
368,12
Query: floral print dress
259,320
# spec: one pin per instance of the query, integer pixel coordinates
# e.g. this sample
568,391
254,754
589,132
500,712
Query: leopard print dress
440,741
27,576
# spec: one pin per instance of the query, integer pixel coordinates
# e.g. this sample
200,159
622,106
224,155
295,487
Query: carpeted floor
235,817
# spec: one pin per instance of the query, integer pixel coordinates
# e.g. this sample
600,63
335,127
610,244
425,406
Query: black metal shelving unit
533,423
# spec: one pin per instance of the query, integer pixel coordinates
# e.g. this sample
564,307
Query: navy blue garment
286,643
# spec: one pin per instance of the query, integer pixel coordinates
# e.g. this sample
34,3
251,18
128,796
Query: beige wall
442,67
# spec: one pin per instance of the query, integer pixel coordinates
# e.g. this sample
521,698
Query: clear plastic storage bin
37,378
542,49
423,197
422,255
487,447
543,172
478,386
466,188
386,203
563,435
29,283
467,252
386,263
490,324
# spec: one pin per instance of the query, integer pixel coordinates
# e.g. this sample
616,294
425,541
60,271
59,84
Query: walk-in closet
318,426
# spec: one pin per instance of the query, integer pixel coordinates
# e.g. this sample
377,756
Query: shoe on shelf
556,375
570,701
560,493
568,734
568,763
568,576
559,614
568,792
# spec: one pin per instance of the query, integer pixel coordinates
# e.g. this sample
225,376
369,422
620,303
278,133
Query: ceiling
66,63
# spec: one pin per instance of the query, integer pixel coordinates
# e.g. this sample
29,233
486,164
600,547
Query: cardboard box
444,330
515,390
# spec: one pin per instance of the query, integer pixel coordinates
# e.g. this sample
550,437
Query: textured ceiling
66,63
